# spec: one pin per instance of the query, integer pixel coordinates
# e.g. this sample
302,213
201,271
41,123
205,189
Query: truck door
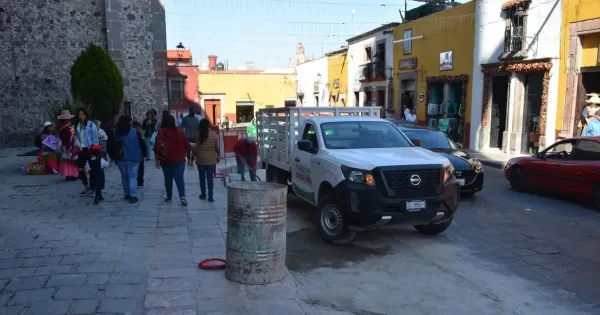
302,166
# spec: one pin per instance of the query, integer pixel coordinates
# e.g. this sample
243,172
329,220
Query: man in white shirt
406,112
411,116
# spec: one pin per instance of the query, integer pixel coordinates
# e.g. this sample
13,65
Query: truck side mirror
416,142
306,146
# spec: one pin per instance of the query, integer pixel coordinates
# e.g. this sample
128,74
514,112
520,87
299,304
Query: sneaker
134,200
140,186
202,197
84,192
183,201
168,200
127,197
91,193
210,199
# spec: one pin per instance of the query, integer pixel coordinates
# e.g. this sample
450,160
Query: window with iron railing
372,70
515,31
176,90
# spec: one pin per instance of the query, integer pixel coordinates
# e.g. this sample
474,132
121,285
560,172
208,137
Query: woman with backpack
128,161
170,147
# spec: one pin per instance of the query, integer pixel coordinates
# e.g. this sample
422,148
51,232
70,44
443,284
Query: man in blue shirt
592,129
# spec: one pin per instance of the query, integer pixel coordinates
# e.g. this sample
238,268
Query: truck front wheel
332,225
434,229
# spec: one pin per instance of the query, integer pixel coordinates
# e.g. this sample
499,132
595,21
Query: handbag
116,147
153,138
51,142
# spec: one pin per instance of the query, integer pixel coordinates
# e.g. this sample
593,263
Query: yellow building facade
337,73
433,64
579,63
240,94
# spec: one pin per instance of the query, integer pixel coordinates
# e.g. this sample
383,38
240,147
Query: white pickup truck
358,169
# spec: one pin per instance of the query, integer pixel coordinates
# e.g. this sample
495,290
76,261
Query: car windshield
362,135
430,139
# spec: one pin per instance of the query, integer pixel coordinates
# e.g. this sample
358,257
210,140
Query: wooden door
212,108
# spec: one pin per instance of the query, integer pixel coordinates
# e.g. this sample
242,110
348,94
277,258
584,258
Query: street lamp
180,49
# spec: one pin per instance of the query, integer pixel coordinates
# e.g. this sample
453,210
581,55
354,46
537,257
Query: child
97,171
140,180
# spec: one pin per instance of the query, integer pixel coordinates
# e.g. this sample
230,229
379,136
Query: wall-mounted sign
410,63
336,83
421,97
446,61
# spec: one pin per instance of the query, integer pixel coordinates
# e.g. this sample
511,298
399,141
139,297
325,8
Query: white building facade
370,65
515,76
312,89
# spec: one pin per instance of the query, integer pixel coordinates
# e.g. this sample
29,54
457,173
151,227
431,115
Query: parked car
570,167
468,171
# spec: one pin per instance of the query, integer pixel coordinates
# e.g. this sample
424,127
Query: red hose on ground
212,264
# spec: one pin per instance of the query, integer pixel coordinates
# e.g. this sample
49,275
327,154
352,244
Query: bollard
256,232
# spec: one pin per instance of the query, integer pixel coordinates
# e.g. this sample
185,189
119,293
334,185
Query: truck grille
400,186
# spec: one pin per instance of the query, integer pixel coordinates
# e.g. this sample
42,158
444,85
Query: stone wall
40,41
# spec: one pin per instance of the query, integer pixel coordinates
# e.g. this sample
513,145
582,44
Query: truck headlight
477,167
448,173
358,176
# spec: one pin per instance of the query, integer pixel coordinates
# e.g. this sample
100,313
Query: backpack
161,146
115,150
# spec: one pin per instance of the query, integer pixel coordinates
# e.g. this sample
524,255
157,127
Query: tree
96,80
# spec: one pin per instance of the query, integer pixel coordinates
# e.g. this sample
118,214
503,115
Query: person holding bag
87,133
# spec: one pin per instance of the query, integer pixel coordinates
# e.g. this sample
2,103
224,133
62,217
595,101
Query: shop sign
410,63
421,97
336,83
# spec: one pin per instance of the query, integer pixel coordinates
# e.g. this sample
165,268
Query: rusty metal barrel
256,232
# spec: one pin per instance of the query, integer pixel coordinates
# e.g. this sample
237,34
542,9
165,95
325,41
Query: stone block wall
42,39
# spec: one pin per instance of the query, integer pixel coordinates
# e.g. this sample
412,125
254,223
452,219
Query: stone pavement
60,254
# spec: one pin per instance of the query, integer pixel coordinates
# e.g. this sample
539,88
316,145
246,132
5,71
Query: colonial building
580,66
515,75
183,82
39,42
433,67
370,63
239,94
337,68
312,77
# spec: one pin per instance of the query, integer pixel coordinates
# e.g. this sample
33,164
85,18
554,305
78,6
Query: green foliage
54,109
96,80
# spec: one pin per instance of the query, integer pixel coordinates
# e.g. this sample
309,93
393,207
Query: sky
268,31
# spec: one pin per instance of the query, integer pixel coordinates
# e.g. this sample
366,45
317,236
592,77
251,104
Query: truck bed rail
277,128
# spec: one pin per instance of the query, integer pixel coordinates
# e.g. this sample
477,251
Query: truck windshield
362,135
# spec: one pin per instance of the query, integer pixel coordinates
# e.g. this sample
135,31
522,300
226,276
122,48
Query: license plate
415,205
461,181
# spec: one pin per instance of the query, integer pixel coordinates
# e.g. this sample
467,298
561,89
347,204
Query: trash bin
256,232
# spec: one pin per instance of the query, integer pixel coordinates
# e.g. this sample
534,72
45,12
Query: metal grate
400,186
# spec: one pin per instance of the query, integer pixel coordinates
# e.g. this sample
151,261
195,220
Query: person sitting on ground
246,151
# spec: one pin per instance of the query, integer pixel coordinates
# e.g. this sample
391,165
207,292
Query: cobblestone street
60,254
506,253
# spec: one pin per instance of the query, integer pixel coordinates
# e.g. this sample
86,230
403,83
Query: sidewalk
60,254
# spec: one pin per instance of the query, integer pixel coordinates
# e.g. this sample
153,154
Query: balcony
371,72
513,44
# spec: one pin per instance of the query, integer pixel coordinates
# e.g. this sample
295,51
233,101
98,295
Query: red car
570,167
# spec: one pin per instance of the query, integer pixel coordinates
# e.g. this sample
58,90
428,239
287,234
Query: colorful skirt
67,168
